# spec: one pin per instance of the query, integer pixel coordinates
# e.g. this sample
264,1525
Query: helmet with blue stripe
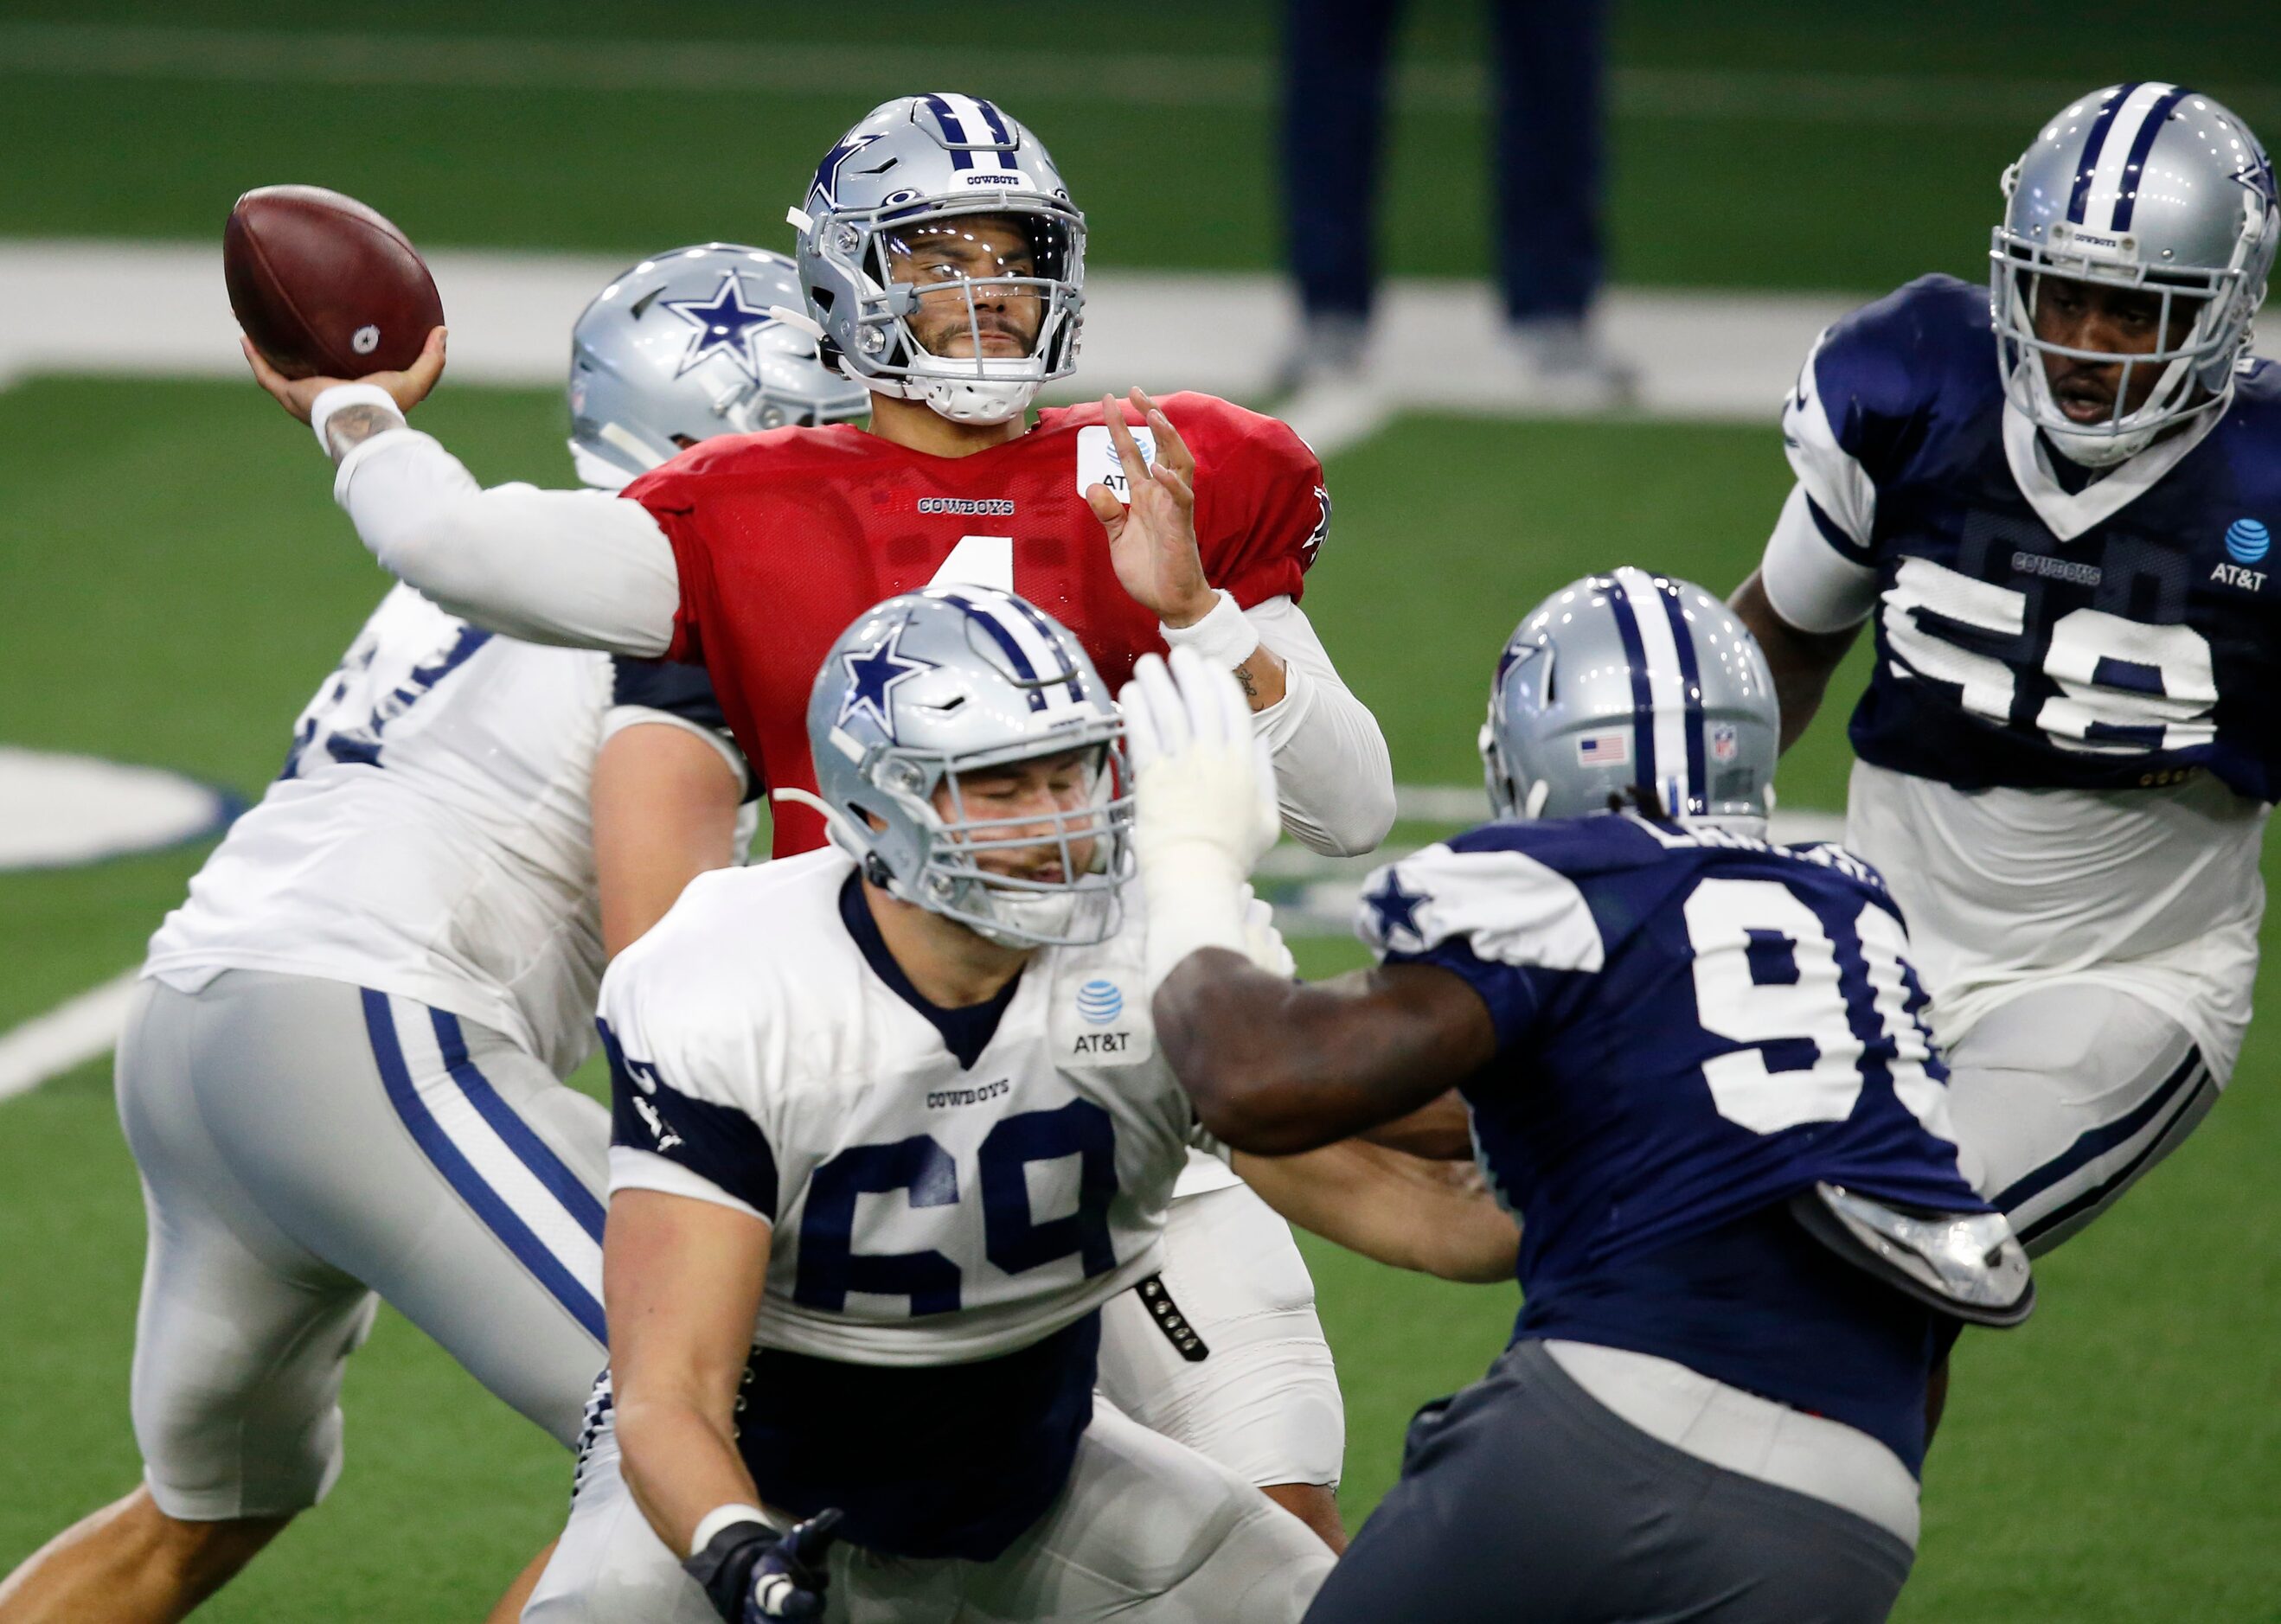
2145,186
927,691
1627,685
942,212
682,347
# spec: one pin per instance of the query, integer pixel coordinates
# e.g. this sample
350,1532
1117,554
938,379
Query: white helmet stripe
1667,685
2108,181
1033,653
978,125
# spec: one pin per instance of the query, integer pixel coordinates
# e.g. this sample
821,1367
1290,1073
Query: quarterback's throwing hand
408,388
1152,531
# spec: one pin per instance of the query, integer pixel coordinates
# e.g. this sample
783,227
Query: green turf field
177,581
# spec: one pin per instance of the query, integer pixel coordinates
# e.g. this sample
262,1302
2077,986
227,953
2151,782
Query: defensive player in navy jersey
2060,525
1697,1070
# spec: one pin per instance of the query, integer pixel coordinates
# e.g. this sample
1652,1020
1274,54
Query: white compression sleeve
1334,780
582,568
1808,583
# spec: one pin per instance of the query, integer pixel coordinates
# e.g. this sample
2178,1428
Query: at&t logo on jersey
1100,1002
2246,541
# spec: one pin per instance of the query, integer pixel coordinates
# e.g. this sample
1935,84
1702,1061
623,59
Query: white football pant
2065,1096
304,1144
1223,1351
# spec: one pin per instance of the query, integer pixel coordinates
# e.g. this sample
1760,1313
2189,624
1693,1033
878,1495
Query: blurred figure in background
1549,72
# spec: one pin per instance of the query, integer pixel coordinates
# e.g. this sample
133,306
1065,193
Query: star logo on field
872,675
726,325
1396,909
826,184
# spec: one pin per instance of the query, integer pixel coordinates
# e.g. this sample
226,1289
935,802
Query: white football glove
1263,944
1206,805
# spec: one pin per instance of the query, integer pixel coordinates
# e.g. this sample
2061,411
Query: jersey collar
965,1032
2069,515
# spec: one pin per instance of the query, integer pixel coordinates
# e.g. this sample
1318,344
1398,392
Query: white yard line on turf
158,309
71,1034
1314,897
1097,79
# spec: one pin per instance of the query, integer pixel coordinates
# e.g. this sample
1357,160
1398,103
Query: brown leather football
325,286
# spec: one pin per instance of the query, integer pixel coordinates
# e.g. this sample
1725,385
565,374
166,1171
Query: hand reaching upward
1152,539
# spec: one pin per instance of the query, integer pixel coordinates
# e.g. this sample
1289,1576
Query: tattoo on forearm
351,426
1251,687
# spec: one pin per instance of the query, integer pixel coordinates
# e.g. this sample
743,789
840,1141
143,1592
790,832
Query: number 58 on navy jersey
2110,636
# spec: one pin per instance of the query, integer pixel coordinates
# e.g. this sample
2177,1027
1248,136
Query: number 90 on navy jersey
1692,1027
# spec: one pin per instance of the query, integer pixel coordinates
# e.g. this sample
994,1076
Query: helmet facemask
983,262
2192,376
1089,839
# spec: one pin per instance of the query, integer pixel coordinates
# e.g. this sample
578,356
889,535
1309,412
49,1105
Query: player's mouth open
2082,400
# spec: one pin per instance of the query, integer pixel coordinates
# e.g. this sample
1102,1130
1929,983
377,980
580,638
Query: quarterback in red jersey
943,265
781,539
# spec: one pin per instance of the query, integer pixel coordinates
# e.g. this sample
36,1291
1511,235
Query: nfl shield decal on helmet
1724,746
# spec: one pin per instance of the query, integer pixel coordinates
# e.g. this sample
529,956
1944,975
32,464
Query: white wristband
722,1517
1226,637
1196,899
322,409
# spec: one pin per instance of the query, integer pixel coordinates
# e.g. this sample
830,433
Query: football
325,286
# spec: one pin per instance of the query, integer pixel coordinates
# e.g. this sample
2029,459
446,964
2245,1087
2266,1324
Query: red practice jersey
783,538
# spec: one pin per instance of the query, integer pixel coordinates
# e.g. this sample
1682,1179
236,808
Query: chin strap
838,827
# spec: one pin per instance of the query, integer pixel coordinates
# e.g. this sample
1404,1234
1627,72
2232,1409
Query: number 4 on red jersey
783,538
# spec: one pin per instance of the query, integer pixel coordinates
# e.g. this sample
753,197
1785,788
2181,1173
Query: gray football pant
1524,1500
304,1144
2067,1096
1146,1531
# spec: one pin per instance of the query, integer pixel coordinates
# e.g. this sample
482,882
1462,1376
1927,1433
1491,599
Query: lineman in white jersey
339,1079
891,1131
2059,527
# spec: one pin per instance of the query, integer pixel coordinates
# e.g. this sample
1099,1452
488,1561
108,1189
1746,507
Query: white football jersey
924,1212
429,836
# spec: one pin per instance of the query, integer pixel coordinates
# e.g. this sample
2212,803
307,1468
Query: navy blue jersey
1692,1027
2037,628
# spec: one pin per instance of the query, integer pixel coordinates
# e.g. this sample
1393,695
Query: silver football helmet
1629,681
682,347
930,688
2148,186
905,194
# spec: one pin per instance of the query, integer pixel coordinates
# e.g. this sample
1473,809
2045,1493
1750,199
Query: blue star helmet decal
1396,909
825,187
726,325
872,675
